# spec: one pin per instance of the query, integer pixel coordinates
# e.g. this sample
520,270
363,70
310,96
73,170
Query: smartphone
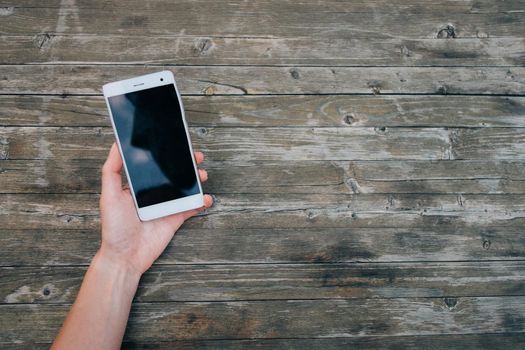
152,135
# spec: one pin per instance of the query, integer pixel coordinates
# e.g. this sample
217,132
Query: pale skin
97,319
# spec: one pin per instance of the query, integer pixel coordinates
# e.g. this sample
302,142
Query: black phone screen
154,144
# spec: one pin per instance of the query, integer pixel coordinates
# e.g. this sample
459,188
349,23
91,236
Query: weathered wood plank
321,177
283,144
80,211
213,50
241,80
48,247
258,282
246,144
285,319
370,19
454,176
278,111
493,144
16,110
493,341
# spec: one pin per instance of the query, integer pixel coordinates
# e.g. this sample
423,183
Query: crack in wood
242,89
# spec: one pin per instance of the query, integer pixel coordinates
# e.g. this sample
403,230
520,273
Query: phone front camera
161,79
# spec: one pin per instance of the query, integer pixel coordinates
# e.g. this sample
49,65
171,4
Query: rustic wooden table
367,159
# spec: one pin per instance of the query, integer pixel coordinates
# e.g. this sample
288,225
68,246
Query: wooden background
367,160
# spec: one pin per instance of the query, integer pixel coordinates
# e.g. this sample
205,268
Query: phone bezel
142,83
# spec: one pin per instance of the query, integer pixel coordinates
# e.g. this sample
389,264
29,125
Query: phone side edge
121,153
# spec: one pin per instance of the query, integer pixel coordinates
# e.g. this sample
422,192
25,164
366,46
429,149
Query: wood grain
241,80
285,319
174,49
277,111
440,242
246,144
493,341
330,19
283,144
258,282
447,341
366,160
320,177
80,211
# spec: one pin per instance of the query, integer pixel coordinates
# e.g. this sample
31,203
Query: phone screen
154,144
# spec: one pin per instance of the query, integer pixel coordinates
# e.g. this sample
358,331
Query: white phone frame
141,83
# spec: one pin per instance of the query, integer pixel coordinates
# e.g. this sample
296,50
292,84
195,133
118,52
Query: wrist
116,267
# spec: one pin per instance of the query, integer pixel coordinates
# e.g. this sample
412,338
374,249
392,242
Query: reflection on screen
156,151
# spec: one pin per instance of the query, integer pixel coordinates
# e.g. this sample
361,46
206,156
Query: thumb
111,180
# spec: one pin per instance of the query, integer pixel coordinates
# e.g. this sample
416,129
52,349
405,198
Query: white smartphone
149,124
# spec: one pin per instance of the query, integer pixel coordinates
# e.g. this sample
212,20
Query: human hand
126,240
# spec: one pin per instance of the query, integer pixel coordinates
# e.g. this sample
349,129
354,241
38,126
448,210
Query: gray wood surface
366,160
232,211
262,80
274,144
293,318
55,48
219,282
443,242
449,341
277,111
320,177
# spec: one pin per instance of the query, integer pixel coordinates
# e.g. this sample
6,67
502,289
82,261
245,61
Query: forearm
97,319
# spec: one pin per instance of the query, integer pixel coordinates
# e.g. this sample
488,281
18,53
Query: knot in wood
451,302
486,244
443,90
42,41
510,75
481,35
448,32
390,201
46,291
210,90
192,318
294,73
375,86
405,51
348,119
380,130
202,46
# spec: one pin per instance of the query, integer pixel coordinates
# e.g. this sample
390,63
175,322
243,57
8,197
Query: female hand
125,239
